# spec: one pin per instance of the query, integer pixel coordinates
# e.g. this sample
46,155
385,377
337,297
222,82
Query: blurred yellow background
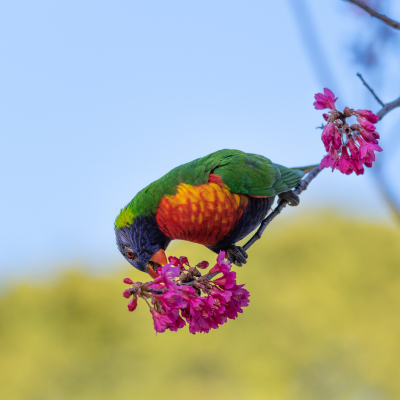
323,323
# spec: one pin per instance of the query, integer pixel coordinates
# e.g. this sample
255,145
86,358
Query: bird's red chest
203,214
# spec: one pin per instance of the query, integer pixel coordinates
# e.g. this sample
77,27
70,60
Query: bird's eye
130,254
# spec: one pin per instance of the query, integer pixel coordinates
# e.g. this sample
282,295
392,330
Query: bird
215,201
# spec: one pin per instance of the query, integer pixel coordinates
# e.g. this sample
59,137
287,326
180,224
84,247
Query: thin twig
373,13
281,205
370,89
385,107
161,291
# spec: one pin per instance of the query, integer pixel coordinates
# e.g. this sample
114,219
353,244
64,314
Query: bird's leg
236,255
292,198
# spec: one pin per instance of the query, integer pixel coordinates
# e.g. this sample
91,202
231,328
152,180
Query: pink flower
353,148
368,148
187,289
366,124
178,262
240,299
337,140
222,265
227,281
358,167
177,321
222,295
161,321
330,160
328,135
368,136
368,115
375,134
326,100
345,164
172,299
132,304
241,296
333,133
167,274
216,306
128,281
195,305
221,298
199,324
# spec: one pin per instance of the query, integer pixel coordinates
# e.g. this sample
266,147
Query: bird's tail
306,169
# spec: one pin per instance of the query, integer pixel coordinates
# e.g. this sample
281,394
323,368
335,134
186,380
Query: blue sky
100,98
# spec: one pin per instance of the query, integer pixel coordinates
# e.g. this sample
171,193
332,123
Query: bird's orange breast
202,214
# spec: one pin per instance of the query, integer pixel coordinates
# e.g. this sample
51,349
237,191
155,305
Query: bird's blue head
142,244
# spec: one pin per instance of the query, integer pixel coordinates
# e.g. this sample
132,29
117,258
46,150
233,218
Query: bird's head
141,242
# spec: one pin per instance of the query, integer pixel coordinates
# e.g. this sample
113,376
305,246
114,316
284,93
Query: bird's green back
243,173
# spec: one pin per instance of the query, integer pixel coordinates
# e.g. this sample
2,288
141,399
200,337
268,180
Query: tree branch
388,21
388,107
370,89
281,205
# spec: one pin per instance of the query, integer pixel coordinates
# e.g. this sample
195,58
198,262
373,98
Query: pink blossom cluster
338,136
181,294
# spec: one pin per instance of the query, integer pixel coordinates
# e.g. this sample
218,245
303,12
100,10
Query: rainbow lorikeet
215,201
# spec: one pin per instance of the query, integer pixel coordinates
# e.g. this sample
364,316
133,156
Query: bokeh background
100,98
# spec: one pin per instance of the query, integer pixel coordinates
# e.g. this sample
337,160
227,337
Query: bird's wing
255,175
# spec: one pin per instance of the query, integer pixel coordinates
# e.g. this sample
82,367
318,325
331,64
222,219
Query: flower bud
347,112
184,260
174,261
202,265
128,281
127,293
132,304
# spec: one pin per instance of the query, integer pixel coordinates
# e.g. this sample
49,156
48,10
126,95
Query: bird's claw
236,255
292,198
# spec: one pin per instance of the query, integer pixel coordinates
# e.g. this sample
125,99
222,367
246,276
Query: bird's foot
292,198
236,255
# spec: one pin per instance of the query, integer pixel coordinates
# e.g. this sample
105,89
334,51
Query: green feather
243,173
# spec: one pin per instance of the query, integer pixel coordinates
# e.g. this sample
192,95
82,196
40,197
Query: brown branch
388,107
373,13
134,290
370,89
281,205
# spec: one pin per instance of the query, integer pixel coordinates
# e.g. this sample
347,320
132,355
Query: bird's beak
158,258
151,271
